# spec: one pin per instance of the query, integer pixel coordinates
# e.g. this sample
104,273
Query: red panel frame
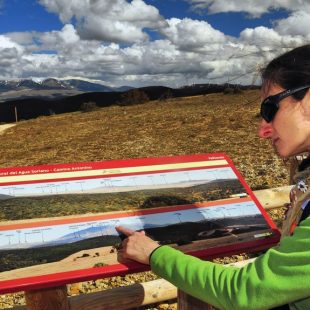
58,279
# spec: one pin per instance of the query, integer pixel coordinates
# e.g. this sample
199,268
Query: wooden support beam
188,302
125,297
47,299
137,295
273,197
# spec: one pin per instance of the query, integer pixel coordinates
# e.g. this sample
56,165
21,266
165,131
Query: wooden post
15,110
125,297
273,197
48,299
132,296
188,302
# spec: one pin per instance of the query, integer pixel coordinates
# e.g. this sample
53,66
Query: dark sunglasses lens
268,110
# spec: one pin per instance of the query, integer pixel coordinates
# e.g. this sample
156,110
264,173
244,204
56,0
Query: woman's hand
137,246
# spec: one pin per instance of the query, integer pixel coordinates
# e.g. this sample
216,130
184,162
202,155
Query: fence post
188,302
15,111
48,299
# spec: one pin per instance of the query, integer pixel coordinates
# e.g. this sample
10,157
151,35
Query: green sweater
280,276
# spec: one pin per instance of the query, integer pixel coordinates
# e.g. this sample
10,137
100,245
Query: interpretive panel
58,221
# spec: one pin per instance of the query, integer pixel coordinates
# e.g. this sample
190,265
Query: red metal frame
58,279
63,278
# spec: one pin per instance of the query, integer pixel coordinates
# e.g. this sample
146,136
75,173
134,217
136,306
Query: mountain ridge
57,84
32,107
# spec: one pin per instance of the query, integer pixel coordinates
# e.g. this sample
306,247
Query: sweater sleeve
280,276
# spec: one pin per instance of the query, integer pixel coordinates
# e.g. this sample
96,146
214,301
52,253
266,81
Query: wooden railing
136,295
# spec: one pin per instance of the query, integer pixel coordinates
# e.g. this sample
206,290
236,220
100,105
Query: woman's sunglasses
270,105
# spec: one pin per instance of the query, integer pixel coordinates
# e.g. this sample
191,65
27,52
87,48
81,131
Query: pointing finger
126,231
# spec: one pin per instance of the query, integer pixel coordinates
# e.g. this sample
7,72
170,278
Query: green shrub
88,106
232,91
134,96
228,91
166,95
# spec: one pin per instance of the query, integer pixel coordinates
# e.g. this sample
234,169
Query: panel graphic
197,203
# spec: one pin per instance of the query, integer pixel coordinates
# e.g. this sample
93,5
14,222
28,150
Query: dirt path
4,127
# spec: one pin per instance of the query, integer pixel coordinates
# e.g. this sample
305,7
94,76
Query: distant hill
37,106
52,84
86,86
51,88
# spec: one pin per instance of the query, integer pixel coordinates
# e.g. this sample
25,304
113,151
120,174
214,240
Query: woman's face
289,131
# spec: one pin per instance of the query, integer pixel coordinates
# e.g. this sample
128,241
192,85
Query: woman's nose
265,130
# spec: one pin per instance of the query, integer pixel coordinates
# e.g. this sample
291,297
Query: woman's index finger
123,230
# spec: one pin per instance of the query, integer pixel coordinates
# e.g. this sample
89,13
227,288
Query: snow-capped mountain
56,84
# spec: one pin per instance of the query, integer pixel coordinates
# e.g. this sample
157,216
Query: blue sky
20,15
150,42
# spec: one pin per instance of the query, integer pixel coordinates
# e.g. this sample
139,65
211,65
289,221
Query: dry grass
202,124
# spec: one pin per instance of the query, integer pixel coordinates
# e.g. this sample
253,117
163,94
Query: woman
281,276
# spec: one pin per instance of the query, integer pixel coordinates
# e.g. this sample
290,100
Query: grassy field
202,124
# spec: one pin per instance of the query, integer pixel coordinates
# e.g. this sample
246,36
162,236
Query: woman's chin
282,152
285,153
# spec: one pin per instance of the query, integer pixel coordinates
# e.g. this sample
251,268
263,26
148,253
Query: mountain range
54,84
26,99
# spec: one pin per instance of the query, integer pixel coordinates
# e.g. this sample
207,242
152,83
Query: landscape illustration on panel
191,208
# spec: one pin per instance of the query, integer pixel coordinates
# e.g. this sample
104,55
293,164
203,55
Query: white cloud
260,36
6,43
193,35
183,57
10,55
296,24
221,68
68,35
189,51
254,9
269,41
40,63
67,9
108,20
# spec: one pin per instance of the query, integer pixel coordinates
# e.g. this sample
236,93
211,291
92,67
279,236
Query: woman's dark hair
289,70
